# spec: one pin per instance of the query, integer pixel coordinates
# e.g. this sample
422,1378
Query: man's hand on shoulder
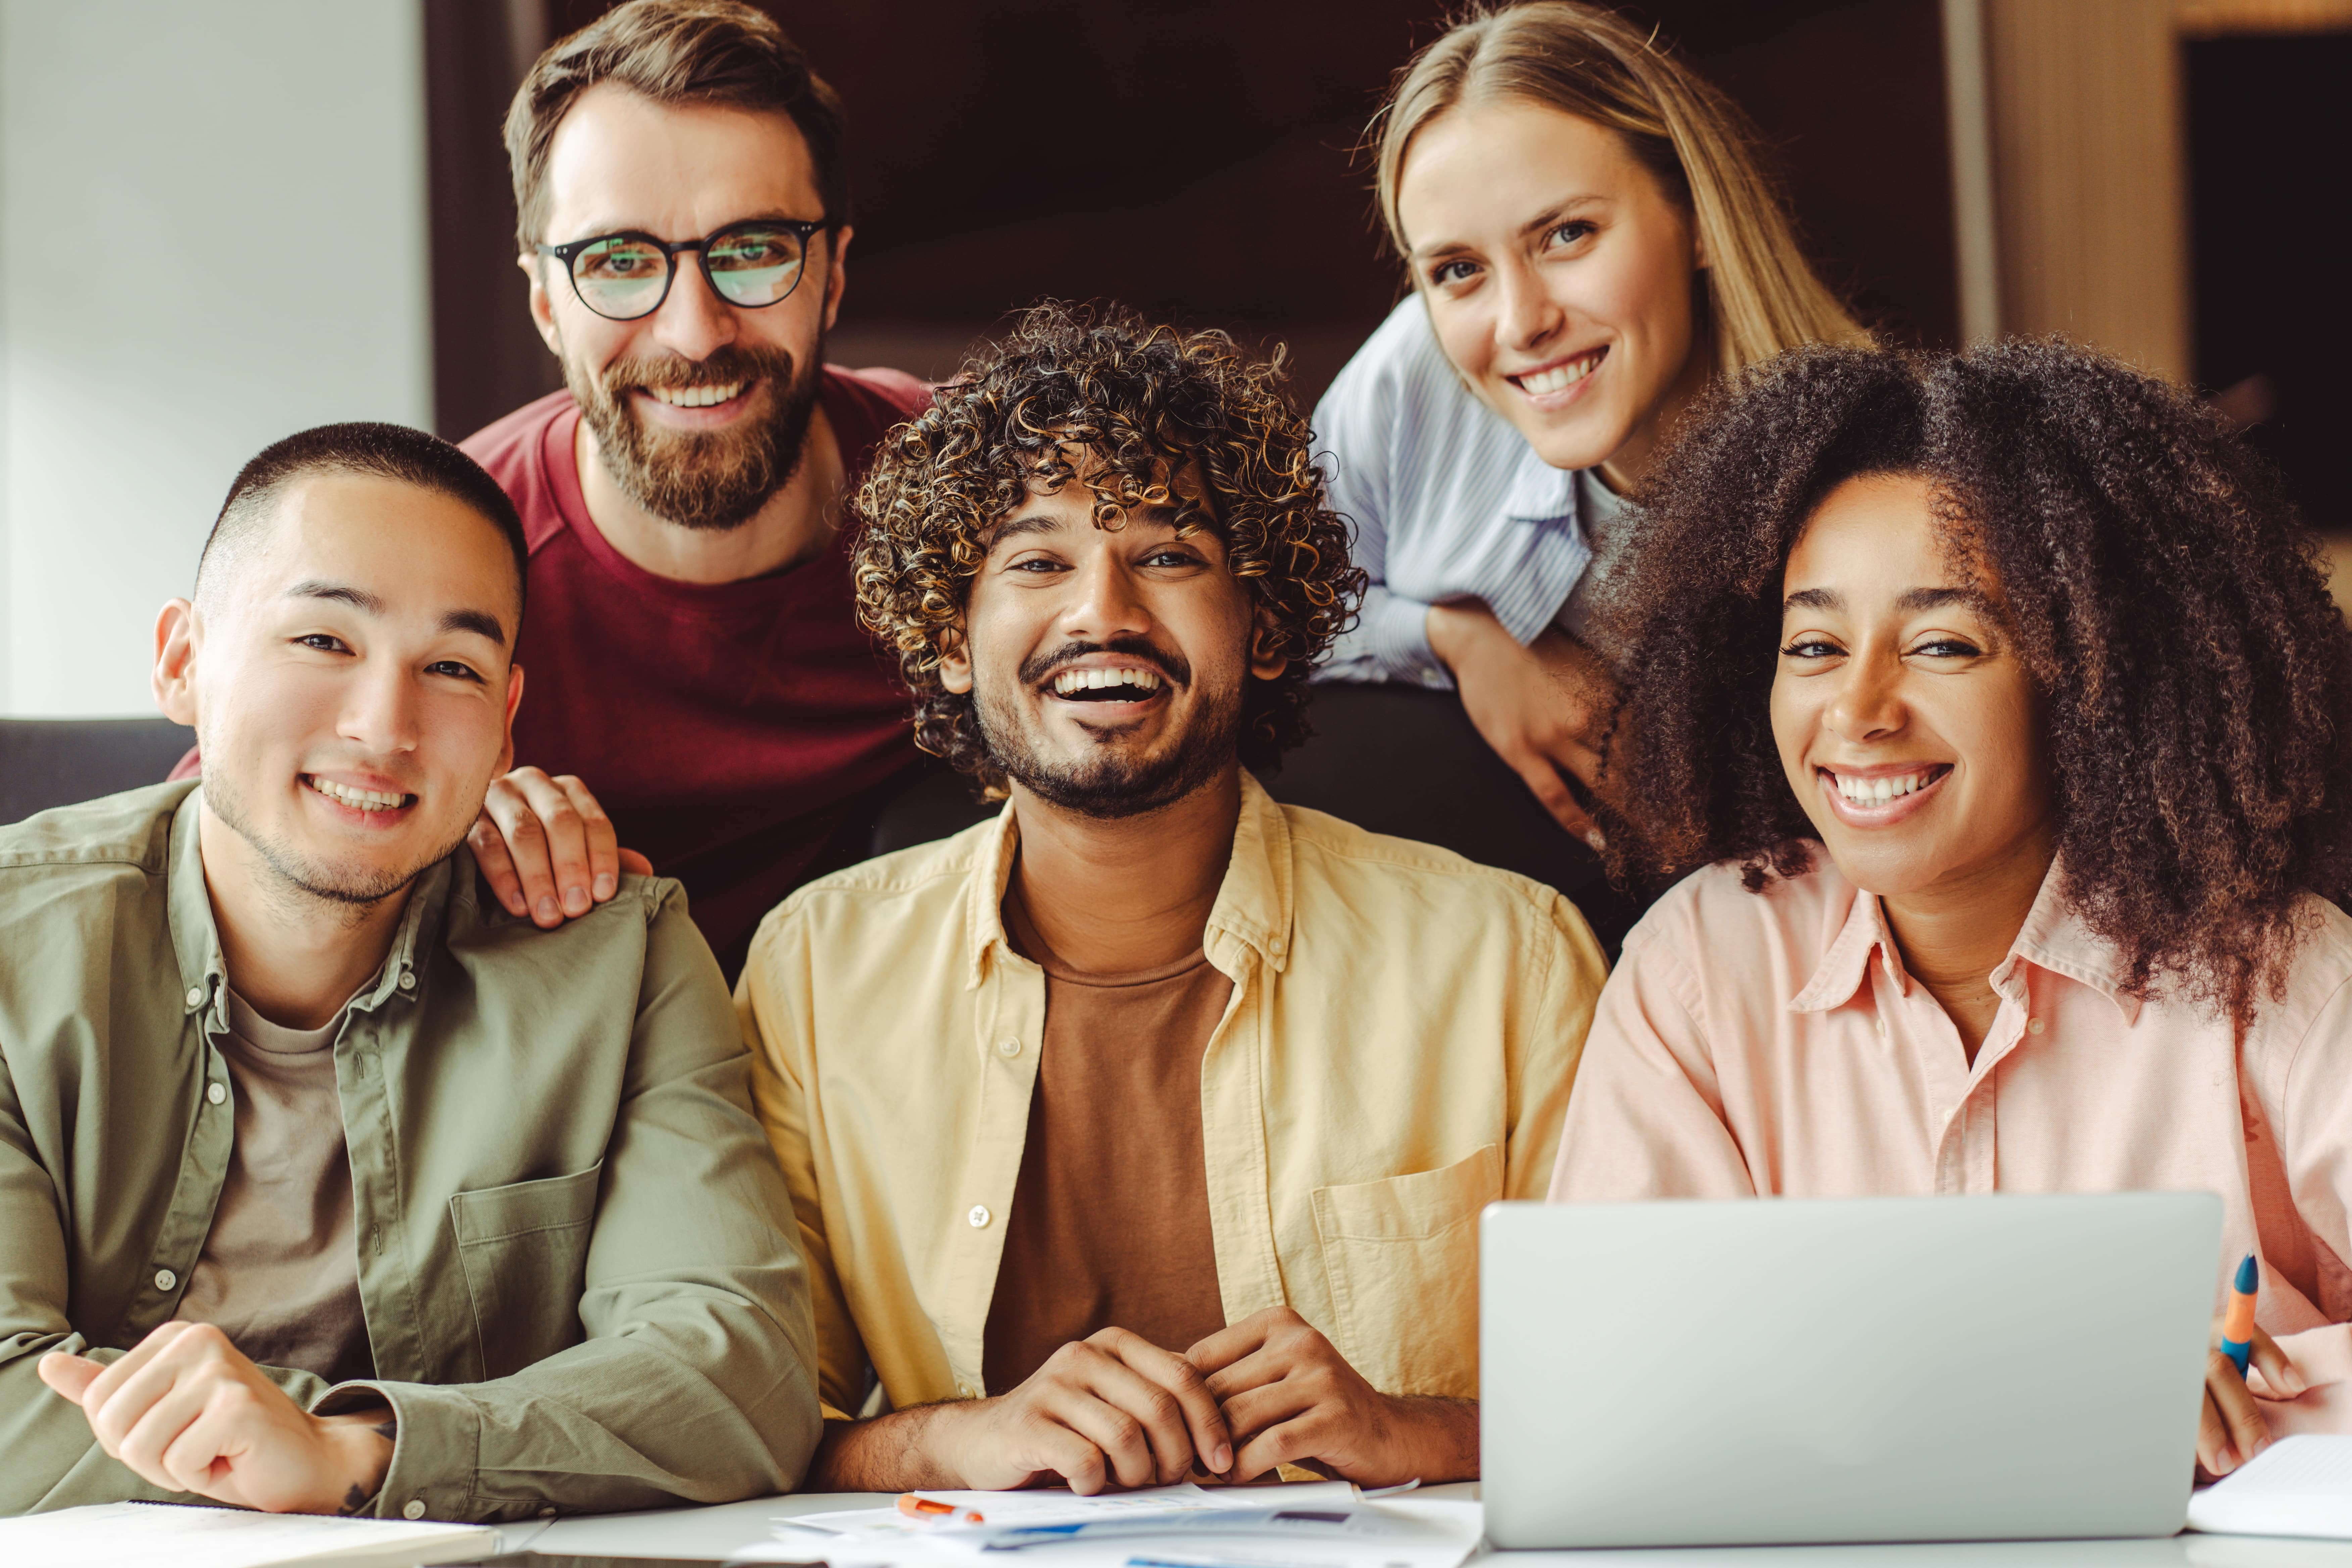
188,1412
1290,1398
547,849
1111,1410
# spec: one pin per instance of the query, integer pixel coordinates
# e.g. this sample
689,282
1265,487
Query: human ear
543,309
955,663
836,278
1265,638
173,679
514,700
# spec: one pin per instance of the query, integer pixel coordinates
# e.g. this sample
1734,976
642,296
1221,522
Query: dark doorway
2270,126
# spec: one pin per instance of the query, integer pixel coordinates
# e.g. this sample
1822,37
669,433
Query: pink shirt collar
2052,938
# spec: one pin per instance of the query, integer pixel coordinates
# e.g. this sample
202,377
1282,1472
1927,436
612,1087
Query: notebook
2297,1486
144,1534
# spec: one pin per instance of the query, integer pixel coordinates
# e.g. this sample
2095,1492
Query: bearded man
682,191
1147,1126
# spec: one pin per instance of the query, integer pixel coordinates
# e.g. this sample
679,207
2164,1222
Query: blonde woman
1590,239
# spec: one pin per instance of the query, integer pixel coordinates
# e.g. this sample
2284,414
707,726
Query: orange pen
915,1507
2238,1316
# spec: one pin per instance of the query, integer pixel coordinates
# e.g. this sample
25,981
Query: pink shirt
1771,1043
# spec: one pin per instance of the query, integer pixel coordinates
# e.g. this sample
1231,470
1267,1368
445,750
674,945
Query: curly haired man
1144,1128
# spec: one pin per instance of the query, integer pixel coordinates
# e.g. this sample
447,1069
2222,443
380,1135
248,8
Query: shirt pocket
1402,1259
524,1249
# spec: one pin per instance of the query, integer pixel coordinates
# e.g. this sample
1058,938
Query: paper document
2297,1486
145,1534
1322,1526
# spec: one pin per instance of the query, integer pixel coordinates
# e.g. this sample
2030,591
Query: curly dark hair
2166,600
1143,401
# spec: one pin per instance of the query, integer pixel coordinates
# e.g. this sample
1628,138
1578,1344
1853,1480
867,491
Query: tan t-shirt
1110,1215
279,1271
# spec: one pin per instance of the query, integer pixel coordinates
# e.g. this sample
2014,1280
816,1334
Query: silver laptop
1826,1370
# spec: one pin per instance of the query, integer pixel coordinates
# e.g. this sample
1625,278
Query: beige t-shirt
279,1271
1109,1224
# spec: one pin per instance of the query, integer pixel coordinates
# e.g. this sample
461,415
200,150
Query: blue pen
2237,1319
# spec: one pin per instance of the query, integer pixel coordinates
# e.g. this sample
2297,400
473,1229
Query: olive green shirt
577,1291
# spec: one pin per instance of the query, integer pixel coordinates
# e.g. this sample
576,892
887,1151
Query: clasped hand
1115,1410
186,1410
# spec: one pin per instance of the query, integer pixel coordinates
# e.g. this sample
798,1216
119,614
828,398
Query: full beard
1109,785
714,480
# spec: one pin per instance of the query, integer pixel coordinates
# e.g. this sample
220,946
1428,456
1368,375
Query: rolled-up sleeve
1356,422
697,1380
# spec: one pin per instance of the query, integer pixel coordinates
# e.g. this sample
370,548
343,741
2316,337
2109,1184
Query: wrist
1464,634
359,1445
1441,1438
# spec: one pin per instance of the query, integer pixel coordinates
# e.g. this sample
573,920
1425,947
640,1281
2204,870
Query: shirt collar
195,940
1254,906
1539,491
2054,937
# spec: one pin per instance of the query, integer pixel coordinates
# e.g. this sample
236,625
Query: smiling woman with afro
1994,710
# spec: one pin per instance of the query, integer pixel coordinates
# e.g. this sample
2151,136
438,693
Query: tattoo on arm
354,1499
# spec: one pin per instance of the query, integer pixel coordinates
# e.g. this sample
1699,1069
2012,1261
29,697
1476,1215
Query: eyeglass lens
623,278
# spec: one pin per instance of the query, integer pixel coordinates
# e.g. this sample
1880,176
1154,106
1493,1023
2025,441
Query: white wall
212,233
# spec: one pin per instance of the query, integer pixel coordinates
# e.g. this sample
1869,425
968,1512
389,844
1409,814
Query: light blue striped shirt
1448,500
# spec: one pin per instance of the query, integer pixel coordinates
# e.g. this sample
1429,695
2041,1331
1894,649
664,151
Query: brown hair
2167,601
1144,401
1762,295
675,51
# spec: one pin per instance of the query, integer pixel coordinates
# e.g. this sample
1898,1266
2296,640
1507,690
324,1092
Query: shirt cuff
1390,642
436,1448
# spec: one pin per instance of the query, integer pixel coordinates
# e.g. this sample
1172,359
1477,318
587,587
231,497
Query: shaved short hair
369,450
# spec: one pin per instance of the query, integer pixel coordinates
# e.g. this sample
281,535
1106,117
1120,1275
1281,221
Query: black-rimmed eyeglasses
621,277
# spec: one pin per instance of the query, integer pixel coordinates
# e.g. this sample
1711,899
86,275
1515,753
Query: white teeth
1558,376
1071,680
358,799
1879,790
697,396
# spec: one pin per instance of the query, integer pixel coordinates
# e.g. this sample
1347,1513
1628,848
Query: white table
716,1533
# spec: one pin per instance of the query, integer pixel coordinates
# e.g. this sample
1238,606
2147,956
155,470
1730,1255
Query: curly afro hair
1140,401
2168,602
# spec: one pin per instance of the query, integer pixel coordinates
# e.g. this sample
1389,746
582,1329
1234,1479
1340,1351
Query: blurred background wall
213,223
221,222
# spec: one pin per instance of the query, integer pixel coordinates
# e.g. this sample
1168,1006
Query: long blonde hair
1762,294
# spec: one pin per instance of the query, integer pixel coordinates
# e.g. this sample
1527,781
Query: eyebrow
1038,522
1911,601
479,621
1556,214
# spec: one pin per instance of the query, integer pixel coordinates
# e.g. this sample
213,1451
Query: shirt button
979,1216
965,1389
165,1279
412,1509
408,980
195,997
547,1512
1008,1048
2035,1027
215,1093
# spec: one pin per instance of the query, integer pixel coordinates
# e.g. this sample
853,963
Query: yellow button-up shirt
1397,1054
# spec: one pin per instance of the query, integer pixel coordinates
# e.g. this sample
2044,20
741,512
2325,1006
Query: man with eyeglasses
683,196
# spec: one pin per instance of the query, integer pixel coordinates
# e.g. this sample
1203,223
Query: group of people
377,1131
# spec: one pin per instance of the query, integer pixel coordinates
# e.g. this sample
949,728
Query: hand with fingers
1540,706
2232,1429
1290,1398
547,849
187,1412
1111,1410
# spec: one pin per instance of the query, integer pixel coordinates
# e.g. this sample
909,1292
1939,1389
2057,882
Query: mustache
729,361
1037,667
